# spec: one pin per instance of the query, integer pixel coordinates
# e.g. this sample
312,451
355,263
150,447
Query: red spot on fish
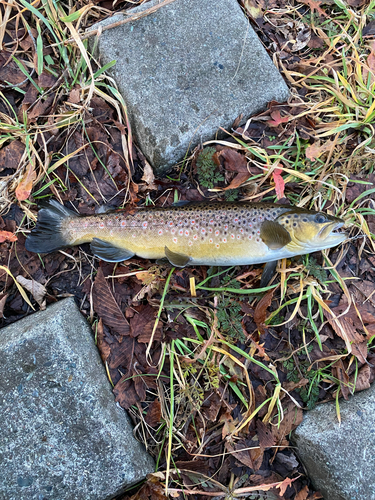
217,233
226,227
210,229
211,240
170,223
238,236
235,219
190,243
250,237
241,230
211,221
173,231
174,240
144,225
101,225
224,240
123,223
160,232
186,233
192,222
257,240
250,224
85,225
232,236
195,237
217,245
258,232
203,230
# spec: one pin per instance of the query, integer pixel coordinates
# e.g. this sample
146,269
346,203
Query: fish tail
48,234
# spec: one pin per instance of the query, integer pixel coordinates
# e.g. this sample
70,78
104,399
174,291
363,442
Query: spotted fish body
202,233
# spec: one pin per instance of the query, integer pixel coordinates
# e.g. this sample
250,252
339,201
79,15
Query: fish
203,233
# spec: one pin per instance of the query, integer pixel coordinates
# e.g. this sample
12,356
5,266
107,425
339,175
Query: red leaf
277,119
279,183
7,236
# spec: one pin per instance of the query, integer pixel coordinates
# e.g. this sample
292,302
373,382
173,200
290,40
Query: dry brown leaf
36,289
2,305
25,186
106,306
153,415
303,494
315,150
101,343
260,312
11,155
265,436
148,176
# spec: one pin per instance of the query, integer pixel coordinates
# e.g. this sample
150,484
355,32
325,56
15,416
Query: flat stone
62,434
186,70
340,459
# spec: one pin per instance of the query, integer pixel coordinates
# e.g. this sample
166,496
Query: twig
130,19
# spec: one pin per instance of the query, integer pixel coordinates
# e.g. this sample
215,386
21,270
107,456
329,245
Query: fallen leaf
260,312
101,343
279,183
293,416
25,186
37,290
277,119
7,236
11,155
41,108
106,306
142,324
315,150
284,485
315,5
148,176
371,65
2,305
303,494
233,161
153,415
265,436
303,37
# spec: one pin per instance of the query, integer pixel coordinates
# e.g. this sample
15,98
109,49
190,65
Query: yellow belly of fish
214,248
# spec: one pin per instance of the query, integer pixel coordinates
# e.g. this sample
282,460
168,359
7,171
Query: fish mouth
331,235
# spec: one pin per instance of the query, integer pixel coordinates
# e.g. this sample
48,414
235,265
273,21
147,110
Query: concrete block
186,70
62,435
340,459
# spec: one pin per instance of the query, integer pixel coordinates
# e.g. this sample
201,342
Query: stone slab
186,70
340,459
62,435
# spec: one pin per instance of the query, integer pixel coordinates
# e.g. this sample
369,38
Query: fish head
312,231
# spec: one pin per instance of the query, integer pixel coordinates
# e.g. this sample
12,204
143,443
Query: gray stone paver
186,70
340,459
62,436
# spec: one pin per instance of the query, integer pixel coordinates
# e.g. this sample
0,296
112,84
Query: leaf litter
243,366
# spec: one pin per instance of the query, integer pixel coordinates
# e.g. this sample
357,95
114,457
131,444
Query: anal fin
176,259
108,252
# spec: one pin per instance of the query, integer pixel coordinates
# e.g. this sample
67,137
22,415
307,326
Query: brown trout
209,234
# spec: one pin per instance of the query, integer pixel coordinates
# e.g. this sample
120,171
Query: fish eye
320,218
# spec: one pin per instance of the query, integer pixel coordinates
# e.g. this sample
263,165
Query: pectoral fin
267,274
109,252
176,259
274,235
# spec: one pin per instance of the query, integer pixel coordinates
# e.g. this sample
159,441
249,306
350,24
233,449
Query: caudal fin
47,235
